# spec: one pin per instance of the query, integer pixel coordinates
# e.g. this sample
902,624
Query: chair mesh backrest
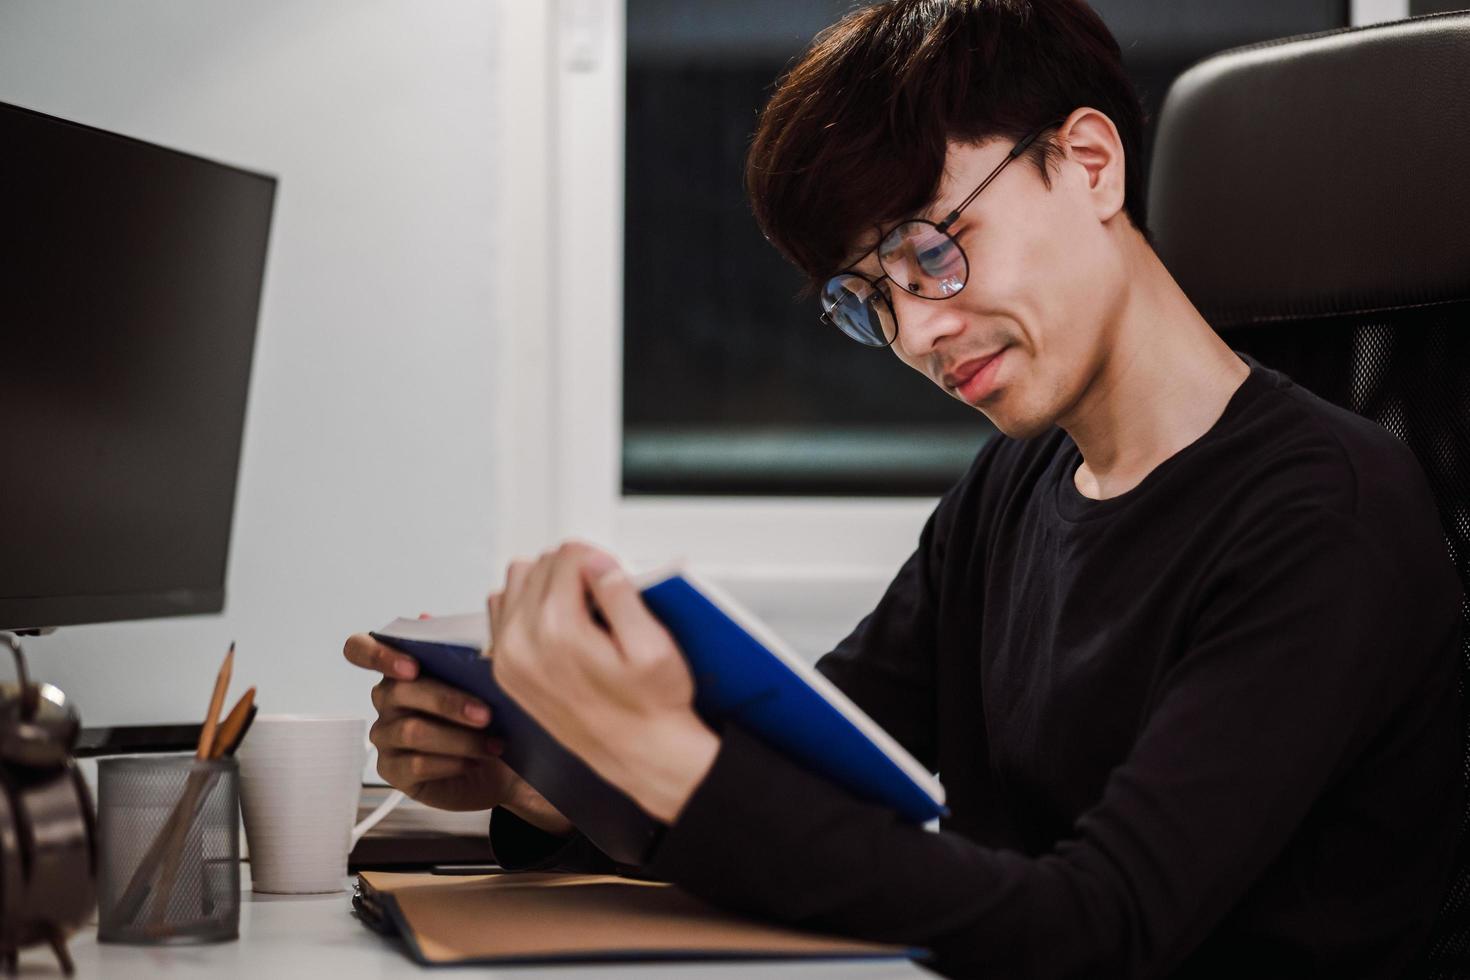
1408,370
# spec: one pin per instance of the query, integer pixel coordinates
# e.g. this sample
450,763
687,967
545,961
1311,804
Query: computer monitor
130,281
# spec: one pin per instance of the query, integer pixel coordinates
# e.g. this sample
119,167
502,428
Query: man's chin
1015,427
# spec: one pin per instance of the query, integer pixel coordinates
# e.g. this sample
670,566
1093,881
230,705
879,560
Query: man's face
1026,336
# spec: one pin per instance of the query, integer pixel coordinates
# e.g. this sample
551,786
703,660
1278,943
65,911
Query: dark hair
857,129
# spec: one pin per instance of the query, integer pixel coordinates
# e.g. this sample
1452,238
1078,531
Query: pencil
216,702
229,729
240,736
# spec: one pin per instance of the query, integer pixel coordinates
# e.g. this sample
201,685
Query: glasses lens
859,310
924,260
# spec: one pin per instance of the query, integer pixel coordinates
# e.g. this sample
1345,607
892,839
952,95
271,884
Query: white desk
284,936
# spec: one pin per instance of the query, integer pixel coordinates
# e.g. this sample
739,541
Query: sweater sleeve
1297,660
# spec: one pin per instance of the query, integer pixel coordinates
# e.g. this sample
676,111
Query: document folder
536,917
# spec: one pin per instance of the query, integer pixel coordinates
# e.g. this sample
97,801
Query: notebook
414,836
742,672
533,917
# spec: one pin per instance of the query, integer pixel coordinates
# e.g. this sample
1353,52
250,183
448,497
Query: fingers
492,606
545,607
533,591
515,580
365,652
430,697
640,636
565,600
544,600
423,735
410,769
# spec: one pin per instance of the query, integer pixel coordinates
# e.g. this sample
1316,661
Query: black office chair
1312,197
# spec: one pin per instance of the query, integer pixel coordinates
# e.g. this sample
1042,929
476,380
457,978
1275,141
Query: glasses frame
942,227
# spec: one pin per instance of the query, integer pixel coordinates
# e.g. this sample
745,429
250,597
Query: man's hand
432,742
619,696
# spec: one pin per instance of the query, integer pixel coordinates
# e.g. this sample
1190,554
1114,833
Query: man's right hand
433,745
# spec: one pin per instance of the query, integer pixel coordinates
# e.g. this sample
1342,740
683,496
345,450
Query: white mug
300,780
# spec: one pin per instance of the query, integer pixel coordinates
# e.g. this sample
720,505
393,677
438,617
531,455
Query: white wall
367,459
1364,12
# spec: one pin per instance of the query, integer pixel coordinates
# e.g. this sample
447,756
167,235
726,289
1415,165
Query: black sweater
1206,727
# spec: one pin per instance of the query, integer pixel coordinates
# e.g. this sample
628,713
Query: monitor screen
130,279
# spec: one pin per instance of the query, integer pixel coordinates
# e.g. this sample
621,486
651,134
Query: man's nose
923,323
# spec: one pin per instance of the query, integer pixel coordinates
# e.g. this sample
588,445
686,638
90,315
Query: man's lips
956,378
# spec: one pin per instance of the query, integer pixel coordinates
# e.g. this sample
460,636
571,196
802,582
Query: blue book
742,673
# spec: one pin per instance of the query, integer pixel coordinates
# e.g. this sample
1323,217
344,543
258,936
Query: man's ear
1091,141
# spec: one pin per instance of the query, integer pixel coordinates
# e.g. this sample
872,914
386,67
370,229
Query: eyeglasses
918,256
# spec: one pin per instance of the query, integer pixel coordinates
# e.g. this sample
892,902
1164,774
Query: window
730,385
629,411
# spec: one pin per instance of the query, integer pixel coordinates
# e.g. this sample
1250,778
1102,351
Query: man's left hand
618,695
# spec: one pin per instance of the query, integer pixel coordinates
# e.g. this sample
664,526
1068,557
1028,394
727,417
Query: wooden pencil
216,702
240,736
229,729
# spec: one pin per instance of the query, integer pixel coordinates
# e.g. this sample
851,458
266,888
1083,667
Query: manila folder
548,916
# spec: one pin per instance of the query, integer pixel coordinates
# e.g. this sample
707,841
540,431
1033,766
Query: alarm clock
48,843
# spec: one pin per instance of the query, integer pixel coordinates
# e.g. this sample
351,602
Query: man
1181,643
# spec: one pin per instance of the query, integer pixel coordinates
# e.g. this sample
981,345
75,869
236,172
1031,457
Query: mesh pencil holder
168,845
